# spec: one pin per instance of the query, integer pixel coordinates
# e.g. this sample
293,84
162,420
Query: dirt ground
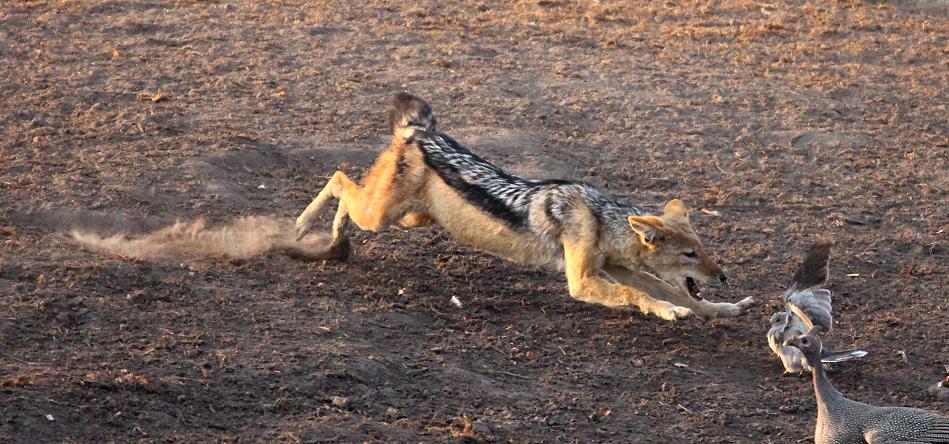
791,120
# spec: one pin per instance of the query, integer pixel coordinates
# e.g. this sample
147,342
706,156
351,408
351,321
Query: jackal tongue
693,288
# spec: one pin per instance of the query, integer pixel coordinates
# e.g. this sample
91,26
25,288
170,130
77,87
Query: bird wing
776,337
792,358
909,425
803,321
814,271
816,304
937,429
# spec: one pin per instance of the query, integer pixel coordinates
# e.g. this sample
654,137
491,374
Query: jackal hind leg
382,198
659,289
340,247
366,207
586,285
415,219
308,218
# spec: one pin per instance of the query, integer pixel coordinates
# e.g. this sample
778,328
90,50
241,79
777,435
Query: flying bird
807,297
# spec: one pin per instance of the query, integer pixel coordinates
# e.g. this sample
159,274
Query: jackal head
670,249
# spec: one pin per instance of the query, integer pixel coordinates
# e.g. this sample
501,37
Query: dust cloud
244,238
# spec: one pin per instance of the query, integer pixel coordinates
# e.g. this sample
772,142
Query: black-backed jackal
613,254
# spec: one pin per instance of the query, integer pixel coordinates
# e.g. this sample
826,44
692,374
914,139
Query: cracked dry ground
791,120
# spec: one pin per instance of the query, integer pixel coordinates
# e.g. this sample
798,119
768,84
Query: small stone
339,401
483,427
392,412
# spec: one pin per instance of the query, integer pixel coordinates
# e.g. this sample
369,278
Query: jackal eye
689,253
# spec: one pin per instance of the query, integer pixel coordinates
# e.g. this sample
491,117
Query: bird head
809,343
779,318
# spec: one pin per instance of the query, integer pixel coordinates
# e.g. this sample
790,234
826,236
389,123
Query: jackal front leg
660,289
586,285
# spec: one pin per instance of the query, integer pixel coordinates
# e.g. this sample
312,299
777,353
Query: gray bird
842,421
804,293
941,389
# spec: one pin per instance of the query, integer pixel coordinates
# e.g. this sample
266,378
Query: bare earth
791,120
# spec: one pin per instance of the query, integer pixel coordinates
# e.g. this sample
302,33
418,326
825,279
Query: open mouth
693,288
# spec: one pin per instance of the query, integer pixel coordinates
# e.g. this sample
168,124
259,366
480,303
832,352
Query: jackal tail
410,114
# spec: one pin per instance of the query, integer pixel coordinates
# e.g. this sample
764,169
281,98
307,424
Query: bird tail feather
828,356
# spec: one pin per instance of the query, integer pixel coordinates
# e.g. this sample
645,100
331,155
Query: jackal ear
675,209
648,228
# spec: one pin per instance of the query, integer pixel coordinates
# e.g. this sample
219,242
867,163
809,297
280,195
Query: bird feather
807,307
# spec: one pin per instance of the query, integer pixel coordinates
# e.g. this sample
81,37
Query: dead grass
17,381
461,428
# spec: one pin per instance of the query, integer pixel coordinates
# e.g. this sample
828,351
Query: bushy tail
410,114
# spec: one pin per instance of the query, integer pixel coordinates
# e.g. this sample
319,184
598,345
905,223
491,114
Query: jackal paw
675,312
745,304
729,310
339,250
304,224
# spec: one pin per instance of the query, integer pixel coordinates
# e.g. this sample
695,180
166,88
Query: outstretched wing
804,304
814,269
792,358
826,356
815,302
775,336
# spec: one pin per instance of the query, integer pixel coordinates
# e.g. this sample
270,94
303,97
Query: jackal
612,253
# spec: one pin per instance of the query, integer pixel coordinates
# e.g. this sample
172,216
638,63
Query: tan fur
583,263
645,269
